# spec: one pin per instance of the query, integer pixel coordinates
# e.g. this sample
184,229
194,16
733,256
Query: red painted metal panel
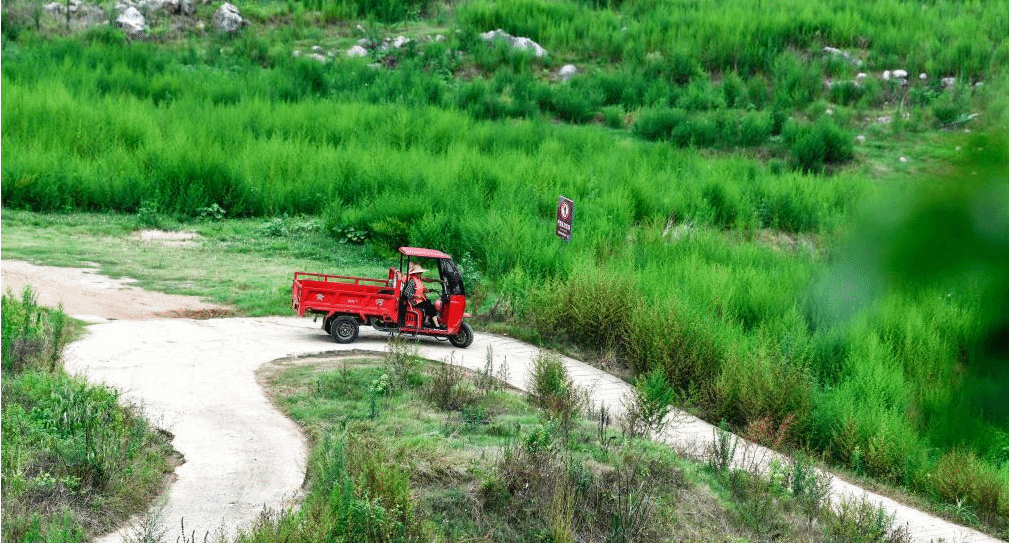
422,253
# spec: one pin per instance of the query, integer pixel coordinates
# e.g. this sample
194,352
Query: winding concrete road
196,378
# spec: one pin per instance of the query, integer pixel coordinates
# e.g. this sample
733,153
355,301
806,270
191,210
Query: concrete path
196,379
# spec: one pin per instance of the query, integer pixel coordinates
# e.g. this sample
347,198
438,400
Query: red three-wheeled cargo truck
387,304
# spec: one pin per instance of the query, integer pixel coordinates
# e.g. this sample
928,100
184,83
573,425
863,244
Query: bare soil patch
87,295
166,238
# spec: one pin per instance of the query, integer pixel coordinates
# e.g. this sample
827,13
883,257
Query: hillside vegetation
731,231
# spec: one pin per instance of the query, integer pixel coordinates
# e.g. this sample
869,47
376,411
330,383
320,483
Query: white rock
174,7
132,22
357,51
829,111
400,41
567,72
316,48
949,82
923,76
860,138
317,56
900,74
522,44
886,75
227,18
903,160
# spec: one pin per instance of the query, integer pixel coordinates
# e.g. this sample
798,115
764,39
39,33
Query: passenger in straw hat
420,300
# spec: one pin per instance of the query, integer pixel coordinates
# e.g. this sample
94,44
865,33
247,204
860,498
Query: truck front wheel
344,329
463,338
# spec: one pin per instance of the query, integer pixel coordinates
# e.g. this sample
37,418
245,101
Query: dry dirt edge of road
91,297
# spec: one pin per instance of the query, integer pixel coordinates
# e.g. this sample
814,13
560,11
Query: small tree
647,405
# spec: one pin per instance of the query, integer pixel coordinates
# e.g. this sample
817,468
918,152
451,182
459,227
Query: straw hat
415,268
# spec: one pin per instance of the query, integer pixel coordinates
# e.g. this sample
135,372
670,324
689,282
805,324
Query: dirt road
197,380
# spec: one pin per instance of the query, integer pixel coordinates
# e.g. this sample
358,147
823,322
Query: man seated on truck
420,300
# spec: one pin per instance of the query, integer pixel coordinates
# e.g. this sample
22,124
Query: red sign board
565,217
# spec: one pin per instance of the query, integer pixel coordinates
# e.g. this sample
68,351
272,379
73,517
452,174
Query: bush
446,388
860,521
33,336
647,405
659,124
402,362
814,146
551,389
755,127
592,309
961,477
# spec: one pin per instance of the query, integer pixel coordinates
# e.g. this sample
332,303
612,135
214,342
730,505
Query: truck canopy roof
423,253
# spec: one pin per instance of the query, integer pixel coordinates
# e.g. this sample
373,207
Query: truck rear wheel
463,338
344,329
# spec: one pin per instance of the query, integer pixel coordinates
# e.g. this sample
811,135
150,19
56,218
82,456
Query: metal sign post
565,218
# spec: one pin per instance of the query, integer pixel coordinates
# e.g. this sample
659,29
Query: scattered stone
860,138
83,15
948,82
835,52
829,111
885,119
860,77
132,23
316,48
520,44
900,74
173,7
903,160
296,53
923,76
567,72
886,75
228,19
318,56
364,45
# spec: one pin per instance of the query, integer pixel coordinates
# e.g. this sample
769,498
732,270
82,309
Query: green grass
714,173
500,470
245,264
76,463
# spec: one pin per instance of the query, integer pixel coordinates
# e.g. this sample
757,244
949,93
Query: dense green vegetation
75,462
404,451
717,187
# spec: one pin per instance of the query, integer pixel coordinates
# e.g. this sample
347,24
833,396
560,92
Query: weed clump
552,390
